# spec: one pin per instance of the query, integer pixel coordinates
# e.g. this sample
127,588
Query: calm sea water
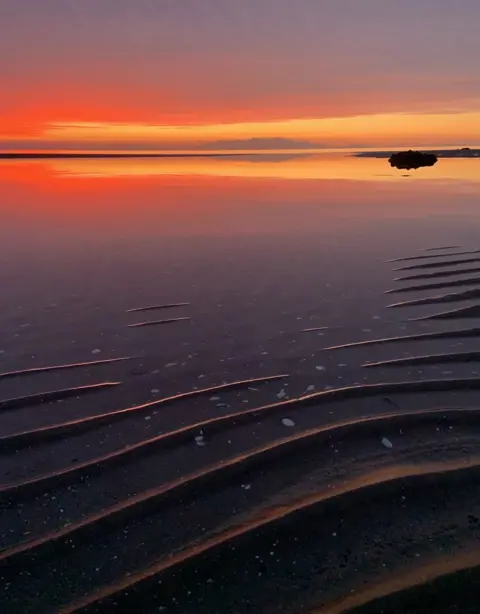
256,245
277,257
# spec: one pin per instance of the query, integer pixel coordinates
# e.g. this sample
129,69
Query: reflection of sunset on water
224,195
279,166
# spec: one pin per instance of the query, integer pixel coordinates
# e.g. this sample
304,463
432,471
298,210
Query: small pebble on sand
320,368
288,422
387,443
97,351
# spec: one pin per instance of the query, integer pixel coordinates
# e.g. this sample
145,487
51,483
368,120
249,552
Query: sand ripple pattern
355,499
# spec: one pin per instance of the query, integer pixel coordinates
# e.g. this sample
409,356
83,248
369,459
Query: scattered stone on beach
96,351
214,398
170,364
199,440
246,486
154,390
282,394
288,422
387,443
310,388
320,368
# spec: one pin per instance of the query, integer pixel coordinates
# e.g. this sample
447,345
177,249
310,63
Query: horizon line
200,151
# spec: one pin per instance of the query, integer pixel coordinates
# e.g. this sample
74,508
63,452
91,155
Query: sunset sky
179,74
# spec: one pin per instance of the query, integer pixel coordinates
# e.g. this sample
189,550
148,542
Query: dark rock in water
412,159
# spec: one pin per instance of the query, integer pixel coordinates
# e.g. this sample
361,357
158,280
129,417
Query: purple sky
196,61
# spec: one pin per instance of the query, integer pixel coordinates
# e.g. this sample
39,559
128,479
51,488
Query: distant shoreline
85,155
441,153
58,155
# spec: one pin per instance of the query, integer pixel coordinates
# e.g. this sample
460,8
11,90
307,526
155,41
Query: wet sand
283,442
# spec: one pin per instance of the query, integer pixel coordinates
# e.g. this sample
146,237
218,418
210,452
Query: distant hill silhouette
261,143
